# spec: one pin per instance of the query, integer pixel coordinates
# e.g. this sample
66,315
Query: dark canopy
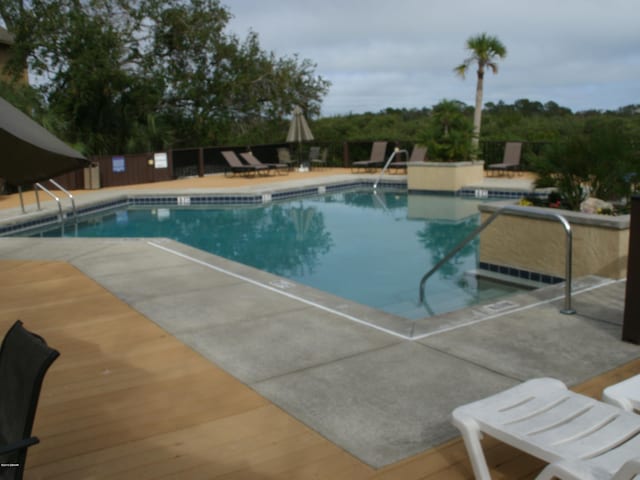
28,152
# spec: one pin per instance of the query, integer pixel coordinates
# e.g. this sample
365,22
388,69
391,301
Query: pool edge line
279,291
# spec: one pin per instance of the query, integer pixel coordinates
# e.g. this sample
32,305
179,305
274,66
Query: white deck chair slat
556,417
614,459
613,434
582,426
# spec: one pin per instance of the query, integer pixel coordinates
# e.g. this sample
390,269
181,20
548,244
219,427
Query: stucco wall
449,177
600,243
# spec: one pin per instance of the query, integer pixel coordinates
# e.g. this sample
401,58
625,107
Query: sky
378,54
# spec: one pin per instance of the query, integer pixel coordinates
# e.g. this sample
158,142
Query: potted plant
448,139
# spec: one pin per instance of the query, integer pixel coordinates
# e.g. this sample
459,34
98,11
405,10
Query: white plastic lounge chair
625,394
581,438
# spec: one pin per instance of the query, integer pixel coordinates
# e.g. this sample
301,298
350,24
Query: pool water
371,248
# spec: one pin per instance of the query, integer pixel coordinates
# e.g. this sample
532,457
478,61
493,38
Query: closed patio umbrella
299,130
29,152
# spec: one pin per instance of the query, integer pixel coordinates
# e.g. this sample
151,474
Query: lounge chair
581,438
418,154
235,165
510,160
252,160
376,159
317,157
24,360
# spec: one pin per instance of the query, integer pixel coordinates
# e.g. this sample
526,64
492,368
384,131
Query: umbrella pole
21,200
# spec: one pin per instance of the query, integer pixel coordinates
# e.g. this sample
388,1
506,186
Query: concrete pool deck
380,396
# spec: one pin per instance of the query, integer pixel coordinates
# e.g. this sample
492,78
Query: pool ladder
567,309
39,186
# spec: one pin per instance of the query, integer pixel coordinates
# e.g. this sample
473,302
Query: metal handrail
386,165
516,209
45,190
68,194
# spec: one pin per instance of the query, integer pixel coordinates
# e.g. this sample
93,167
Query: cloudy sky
581,54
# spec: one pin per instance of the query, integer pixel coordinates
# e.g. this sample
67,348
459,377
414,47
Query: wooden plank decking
127,400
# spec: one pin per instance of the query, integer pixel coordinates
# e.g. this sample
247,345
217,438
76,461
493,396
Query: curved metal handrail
516,209
386,165
48,192
68,194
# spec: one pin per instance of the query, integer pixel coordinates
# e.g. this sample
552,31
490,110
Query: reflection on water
439,237
358,245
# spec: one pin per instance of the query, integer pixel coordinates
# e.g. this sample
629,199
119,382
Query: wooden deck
127,400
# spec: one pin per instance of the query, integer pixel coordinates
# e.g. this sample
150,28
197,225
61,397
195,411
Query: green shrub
448,137
598,161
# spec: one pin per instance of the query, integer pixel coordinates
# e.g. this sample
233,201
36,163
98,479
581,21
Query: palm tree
485,49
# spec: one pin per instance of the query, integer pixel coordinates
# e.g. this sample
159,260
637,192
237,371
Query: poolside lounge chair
24,360
235,165
510,160
581,438
418,154
250,159
317,157
376,159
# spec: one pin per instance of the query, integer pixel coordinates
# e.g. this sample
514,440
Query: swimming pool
371,248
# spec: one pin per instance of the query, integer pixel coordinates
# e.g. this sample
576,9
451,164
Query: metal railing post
21,199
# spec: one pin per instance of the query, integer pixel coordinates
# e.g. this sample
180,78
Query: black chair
24,360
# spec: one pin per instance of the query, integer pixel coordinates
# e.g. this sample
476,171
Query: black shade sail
29,153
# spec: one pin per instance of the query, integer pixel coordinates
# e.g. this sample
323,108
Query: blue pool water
371,248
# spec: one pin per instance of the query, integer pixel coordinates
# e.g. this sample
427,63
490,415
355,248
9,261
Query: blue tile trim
39,222
520,273
502,194
122,202
444,193
486,193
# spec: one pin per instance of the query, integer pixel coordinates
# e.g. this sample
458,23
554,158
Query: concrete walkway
380,396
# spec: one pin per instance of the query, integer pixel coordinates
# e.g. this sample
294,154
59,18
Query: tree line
523,120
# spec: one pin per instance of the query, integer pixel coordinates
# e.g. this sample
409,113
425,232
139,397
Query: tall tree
484,51
131,74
